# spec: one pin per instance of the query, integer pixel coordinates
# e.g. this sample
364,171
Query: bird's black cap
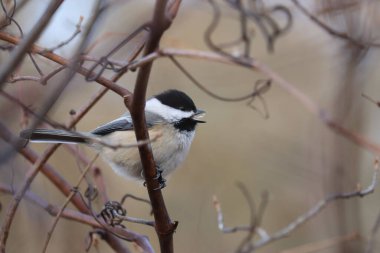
177,99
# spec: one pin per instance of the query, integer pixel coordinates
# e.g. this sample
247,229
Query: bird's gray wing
124,123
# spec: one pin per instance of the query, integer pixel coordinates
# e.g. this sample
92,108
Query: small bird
171,116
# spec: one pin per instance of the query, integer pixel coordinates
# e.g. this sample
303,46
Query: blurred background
292,155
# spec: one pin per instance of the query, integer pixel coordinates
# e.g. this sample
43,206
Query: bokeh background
292,155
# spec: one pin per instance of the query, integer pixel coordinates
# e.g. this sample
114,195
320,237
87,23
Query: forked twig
266,238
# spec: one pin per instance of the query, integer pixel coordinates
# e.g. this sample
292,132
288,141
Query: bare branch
62,61
19,53
77,31
43,79
163,224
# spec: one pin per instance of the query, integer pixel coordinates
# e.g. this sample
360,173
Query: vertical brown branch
164,226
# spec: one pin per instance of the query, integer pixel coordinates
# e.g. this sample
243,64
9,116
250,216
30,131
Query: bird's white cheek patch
155,106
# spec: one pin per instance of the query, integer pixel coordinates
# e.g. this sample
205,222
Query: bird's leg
158,177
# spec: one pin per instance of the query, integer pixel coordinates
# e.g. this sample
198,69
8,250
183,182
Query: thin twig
17,6
377,103
136,220
62,61
255,92
35,64
312,212
300,220
67,201
77,31
41,79
220,218
126,196
18,54
262,17
246,242
14,79
104,61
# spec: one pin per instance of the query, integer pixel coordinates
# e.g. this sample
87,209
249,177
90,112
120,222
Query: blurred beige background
291,155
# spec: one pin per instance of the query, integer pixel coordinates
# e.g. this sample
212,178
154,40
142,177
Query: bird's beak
197,115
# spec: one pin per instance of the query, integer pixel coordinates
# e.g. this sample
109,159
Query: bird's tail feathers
54,136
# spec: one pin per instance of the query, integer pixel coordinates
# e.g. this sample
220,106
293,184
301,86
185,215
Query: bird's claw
161,185
158,177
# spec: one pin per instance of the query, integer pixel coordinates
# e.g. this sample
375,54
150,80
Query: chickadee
171,115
